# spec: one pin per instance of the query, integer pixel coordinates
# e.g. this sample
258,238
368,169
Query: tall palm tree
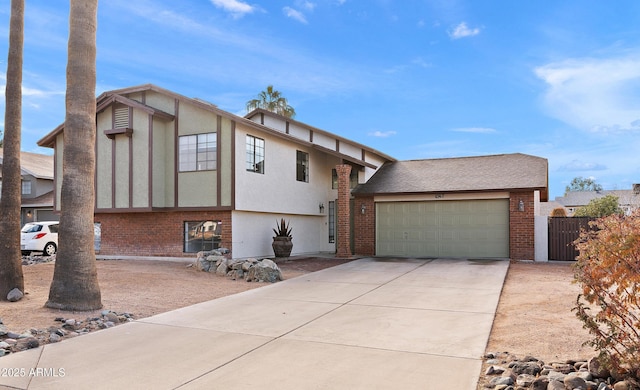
272,100
10,256
75,278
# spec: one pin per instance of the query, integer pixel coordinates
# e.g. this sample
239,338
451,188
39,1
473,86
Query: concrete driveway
371,323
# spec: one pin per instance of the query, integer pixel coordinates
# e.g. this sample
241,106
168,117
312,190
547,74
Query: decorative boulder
15,295
264,271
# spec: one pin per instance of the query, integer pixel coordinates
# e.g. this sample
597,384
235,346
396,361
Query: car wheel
49,249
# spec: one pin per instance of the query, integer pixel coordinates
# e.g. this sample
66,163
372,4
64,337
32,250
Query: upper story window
255,154
353,179
26,187
197,152
302,166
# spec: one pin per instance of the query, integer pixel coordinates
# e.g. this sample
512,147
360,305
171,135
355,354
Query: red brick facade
343,244
154,234
521,226
365,226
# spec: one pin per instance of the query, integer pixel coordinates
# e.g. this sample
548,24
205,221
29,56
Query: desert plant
608,270
559,212
282,229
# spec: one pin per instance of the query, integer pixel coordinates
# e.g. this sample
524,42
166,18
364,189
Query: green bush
600,207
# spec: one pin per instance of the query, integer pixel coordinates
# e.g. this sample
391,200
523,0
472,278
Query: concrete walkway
371,323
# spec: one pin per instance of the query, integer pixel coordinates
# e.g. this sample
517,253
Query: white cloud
462,31
577,165
236,7
382,134
294,14
307,5
479,130
596,94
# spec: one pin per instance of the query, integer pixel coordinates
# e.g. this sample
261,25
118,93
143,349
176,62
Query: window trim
353,178
252,156
215,244
302,166
192,154
26,184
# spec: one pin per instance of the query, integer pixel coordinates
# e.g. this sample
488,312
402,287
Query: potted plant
282,244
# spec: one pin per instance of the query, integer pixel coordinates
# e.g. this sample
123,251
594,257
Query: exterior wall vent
121,117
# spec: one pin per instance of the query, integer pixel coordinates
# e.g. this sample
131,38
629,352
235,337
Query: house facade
478,207
176,175
36,171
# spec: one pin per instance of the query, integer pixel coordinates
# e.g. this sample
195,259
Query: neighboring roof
464,174
110,97
546,208
44,200
582,198
39,166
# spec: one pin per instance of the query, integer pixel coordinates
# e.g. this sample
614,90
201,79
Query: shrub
600,207
608,270
559,212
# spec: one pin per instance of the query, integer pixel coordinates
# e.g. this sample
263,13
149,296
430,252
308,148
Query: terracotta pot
282,246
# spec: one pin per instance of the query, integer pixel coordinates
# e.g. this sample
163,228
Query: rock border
504,371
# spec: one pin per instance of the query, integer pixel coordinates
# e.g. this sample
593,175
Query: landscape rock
251,269
575,382
555,385
530,373
596,369
14,342
15,295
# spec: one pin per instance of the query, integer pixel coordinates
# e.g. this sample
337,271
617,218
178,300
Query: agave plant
282,229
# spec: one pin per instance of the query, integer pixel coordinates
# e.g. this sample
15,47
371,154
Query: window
197,152
353,179
255,154
26,187
332,221
97,235
302,166
202,236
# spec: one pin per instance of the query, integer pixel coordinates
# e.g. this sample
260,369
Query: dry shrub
608,270
559,212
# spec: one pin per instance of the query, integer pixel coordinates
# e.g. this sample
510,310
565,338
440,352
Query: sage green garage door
454,228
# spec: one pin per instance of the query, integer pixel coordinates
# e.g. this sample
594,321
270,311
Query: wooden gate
563,231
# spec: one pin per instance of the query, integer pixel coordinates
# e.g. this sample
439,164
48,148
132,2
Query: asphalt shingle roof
481,173
37,165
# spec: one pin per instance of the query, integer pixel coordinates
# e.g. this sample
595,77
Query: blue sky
414,79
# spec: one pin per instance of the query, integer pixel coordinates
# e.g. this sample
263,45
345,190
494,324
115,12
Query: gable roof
119,96
464,174
262,112
37,165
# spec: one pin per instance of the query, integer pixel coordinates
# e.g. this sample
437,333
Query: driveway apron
378,323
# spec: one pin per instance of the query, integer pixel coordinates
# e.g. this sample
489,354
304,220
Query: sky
414,79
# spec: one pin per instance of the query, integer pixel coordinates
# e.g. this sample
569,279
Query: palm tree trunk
10,200
75,278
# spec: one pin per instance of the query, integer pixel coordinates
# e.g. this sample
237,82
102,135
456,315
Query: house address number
439,196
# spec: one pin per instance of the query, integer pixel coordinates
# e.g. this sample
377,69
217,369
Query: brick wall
154,234
521,226
343,244
365,226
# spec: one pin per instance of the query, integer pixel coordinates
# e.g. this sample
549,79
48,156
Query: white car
39,237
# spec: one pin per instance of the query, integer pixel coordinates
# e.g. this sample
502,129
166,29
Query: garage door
464,228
